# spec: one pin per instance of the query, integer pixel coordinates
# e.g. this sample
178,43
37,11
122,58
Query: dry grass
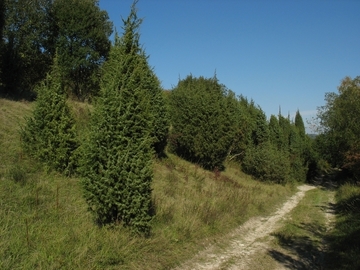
44,222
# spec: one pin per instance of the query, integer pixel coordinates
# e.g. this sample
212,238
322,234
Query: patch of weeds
166,214
111,259
18,174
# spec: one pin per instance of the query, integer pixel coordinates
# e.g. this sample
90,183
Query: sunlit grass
44,222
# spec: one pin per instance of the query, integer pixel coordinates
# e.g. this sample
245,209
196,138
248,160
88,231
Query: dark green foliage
252,125
340,127
295,142
26,56
239,115
49,134
34,30
302,156
161,121
117,159
282,142
326,145
2,17
266,163
344,238
299,124
82,33
2,23
202,121
285,127
130,44
18,174
260,134
275,133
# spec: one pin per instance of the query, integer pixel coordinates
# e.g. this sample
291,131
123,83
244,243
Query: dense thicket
117,161
203,121
279,150
49,134
26,54
210,124
339,141
78,30
82,34
266,163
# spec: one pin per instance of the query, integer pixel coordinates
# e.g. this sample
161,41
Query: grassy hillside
44,222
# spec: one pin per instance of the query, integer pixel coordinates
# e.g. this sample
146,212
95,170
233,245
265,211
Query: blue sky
285,53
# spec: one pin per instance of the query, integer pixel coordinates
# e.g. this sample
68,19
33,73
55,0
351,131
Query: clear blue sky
286,53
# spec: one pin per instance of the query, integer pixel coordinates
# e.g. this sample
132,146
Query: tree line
135,120
211,124
33,32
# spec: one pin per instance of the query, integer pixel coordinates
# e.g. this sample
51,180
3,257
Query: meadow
45,224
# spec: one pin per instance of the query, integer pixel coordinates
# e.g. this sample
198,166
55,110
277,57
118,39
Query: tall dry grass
44,222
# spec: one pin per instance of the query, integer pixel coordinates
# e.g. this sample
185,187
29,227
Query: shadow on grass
309,250
345,238
337,249
302,252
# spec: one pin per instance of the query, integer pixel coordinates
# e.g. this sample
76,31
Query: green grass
301,239
345,238
44,222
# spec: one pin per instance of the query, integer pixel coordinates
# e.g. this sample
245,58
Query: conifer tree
299,123
260,134
285,127
202,124
117,163
49,134
247,123
161,119
275,132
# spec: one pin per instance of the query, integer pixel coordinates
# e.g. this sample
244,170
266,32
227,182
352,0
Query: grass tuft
18,174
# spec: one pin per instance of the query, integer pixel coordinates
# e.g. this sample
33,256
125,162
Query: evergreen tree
203,125
130,43
299,123
260,133
246,124
296,154
239,114
82,32
285,127
340,128
117,159
27,59
267,163
49,134
161,119
275,132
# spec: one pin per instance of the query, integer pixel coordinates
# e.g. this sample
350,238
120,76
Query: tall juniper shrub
49,134
117,161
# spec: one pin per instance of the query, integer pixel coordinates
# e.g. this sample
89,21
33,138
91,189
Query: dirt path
249,239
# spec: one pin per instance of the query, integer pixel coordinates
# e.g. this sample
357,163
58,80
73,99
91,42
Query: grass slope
44,222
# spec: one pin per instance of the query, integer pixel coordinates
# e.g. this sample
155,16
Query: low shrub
266,163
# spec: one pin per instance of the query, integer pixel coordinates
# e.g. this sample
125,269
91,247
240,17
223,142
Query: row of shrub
130,124
210,124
